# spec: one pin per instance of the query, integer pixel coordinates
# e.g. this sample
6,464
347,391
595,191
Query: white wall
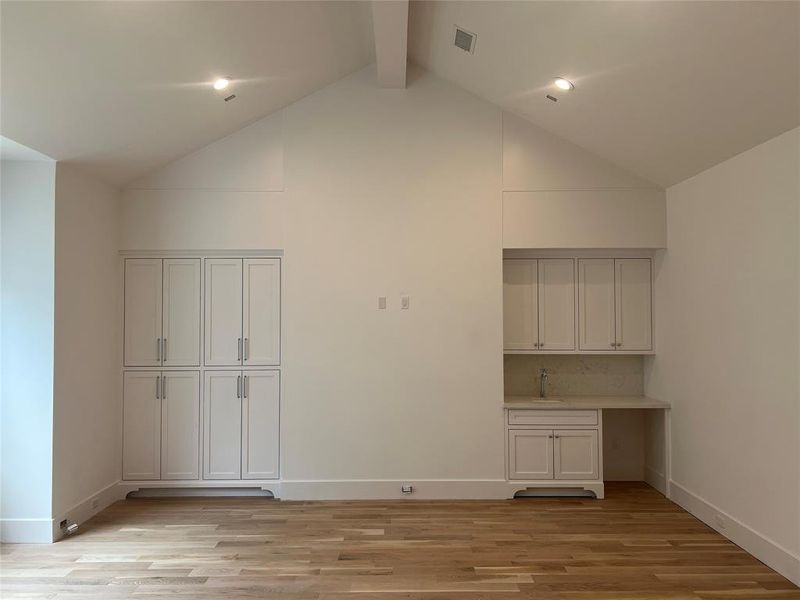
393,192
27,213
387,192
86,389
559,195
727,347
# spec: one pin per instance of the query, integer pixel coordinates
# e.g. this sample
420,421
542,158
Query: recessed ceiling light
563,84
221,83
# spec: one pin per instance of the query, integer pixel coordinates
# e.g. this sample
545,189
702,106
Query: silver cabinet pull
246,348
165,349
158,383
158,349
246,386
239,346
164,387
238,386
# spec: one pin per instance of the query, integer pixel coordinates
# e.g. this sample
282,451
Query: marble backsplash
574,374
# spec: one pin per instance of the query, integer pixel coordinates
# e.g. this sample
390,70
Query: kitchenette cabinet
577,305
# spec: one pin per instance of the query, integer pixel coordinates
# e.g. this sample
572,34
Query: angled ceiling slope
664,89
122,88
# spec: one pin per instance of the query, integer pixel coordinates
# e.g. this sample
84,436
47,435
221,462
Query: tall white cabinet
242,314
242,412
162,312
201,379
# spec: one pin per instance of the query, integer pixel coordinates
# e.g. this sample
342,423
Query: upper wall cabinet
615,304
162,312
613,311
242,312
539,304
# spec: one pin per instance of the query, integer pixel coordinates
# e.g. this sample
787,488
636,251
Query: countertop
586,402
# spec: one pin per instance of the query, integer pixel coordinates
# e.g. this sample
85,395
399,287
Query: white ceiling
664,89
123,87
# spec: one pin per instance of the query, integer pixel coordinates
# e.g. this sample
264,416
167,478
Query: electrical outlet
719,521
407,488
381,302
63,524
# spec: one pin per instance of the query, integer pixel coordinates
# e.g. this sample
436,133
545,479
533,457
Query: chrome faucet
543,383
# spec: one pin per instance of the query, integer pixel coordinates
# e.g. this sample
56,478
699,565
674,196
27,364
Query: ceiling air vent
465,40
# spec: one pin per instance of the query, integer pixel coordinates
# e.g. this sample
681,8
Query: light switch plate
405,301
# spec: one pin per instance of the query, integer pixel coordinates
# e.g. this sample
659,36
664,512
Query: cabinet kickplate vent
465,40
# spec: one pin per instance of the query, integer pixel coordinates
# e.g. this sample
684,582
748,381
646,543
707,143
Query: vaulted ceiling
664,89
124,87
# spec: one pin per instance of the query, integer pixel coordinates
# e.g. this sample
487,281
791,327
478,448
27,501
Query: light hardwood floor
635,544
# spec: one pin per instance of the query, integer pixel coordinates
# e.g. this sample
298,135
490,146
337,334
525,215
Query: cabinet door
141,425
181,332
260,430
596,304
222,425
520,312
180,425
634,304
262,311
223,314
576,454
530,454
556,304
142,312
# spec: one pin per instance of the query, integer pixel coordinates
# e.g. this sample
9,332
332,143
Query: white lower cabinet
260,412
161,425
530,454
141,417
551,447
180,425
240,417
575,454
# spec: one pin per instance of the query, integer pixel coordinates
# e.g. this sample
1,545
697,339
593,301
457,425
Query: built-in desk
557,443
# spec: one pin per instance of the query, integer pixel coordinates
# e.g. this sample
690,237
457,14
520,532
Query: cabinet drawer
552,417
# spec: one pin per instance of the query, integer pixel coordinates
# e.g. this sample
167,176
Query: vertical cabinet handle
239,347
246,349
164,387
158,349
238,386
158,383
164,353
246,387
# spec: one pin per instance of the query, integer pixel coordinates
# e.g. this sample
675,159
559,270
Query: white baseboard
88,507
389,489
26,531
656,479
764,549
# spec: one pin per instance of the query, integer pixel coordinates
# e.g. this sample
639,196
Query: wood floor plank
634,545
